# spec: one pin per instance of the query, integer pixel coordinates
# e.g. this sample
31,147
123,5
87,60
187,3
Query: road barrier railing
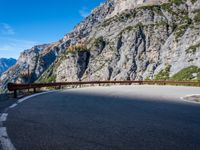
15,87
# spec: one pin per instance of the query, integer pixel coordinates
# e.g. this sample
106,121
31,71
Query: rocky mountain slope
143,40
5,64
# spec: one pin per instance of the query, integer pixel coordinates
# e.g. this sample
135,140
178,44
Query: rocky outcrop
120,42
30,65
139,43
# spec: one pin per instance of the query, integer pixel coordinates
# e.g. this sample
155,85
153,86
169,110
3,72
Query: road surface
107,118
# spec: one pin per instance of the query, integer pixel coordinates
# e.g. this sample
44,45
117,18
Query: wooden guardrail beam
14,87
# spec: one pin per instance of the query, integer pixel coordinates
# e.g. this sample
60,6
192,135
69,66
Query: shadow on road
87,120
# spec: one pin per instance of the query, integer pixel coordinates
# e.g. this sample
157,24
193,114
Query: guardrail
15,87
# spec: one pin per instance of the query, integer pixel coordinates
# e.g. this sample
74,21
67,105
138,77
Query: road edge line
5,141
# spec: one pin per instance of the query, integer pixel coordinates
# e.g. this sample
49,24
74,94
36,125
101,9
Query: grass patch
147,79
197,16
192,49
122,17
99,41
191,73
178,2
1,91
50,79
48,76
180,30
167,7
154,8
127,29
193,1
164,74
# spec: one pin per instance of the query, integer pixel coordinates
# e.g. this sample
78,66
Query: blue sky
25,23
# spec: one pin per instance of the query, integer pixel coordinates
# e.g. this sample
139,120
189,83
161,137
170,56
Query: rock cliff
120,40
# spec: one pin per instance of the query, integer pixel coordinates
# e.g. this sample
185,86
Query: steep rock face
80,62
30,65
139,43
119,41
40,58
5,64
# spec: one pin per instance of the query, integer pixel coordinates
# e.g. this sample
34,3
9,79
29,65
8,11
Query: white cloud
6,29
84,12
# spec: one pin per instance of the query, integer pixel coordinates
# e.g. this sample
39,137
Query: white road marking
13,106
4,140
3,117
25,98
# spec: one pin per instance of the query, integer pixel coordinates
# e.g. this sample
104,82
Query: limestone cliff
120,40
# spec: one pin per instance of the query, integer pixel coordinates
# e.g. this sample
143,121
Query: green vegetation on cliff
48,76
193,1
178,2
197,16
164,74
193,49
180,31
191,73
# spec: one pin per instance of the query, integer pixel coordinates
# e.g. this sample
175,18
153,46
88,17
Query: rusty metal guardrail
15,87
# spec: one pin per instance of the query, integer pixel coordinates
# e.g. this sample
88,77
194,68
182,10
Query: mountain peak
119,40
121,5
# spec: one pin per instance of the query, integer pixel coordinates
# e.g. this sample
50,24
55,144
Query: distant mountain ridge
5,64
120,40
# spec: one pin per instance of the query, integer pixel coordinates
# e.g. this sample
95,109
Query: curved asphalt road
107,118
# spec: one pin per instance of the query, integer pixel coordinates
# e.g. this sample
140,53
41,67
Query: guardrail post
15,93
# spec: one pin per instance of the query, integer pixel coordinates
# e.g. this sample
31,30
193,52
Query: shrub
155,8
197,16
193,1
45,79
78,47
98,41
148,78
177,2
51,79
1,91
180,31
193,49
167,7
163,74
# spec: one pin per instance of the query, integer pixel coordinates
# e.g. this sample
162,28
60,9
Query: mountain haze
5,64
120,40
